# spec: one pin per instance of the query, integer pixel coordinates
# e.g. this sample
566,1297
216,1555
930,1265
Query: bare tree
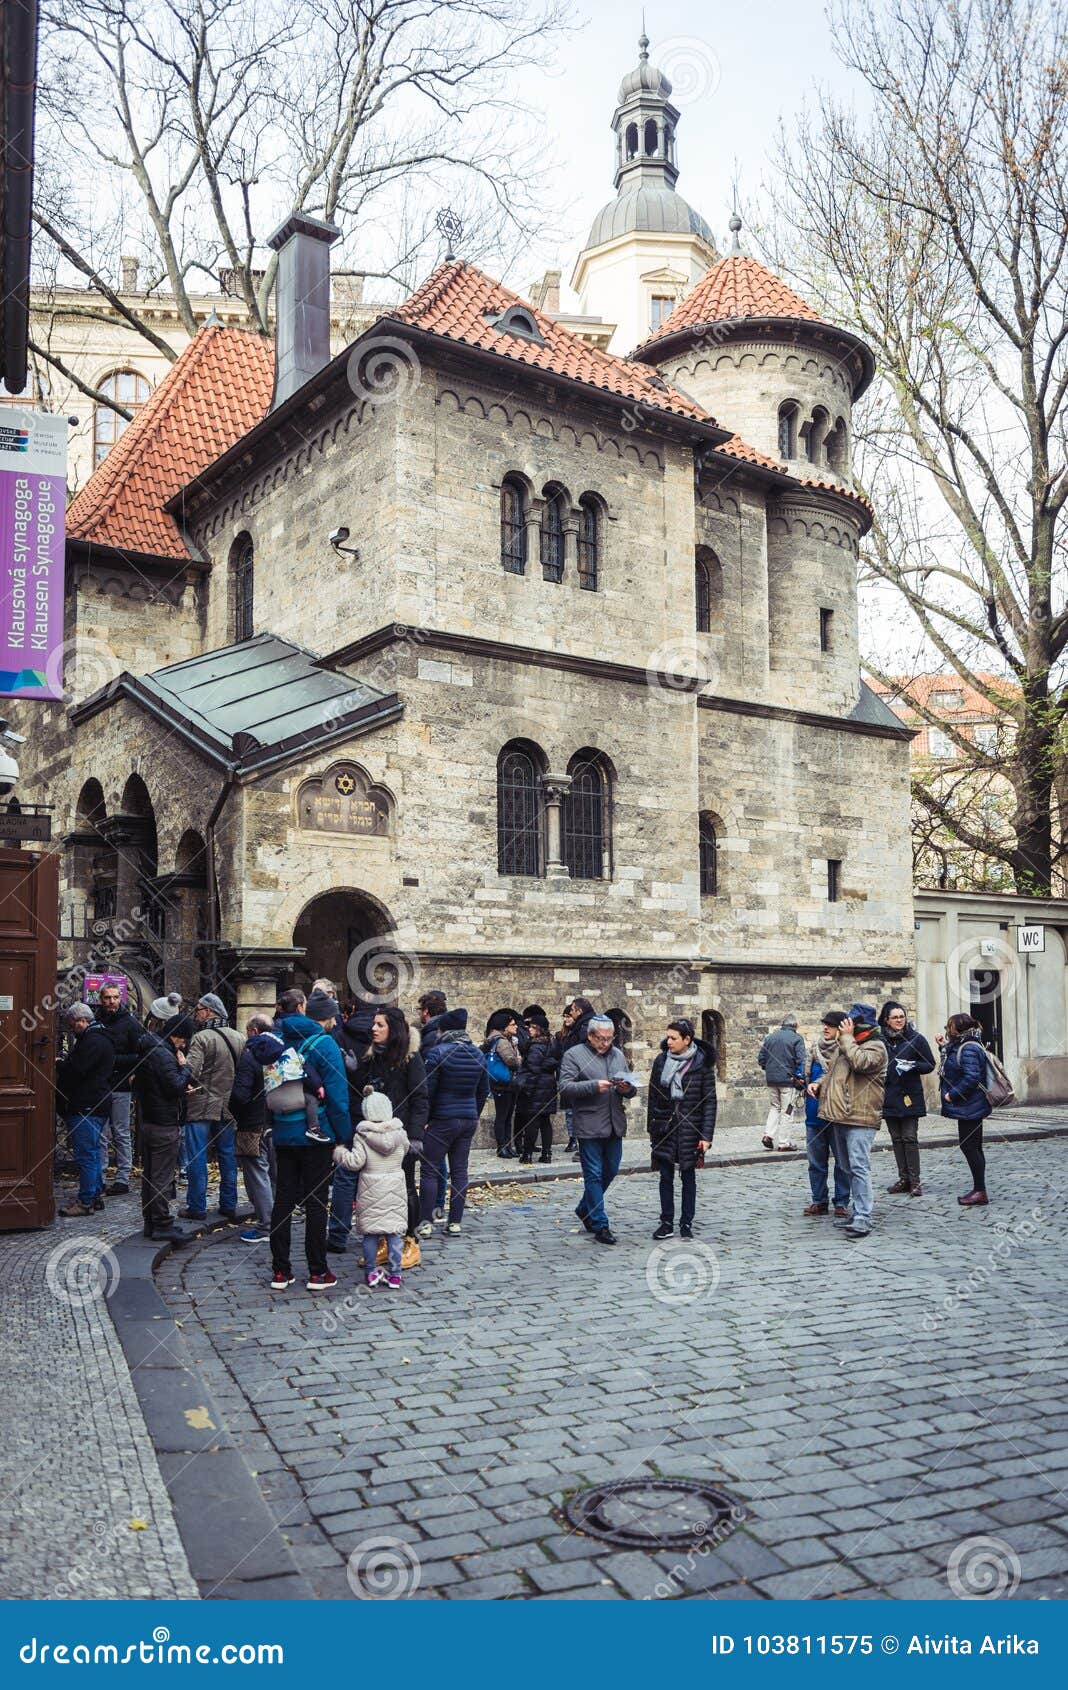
938,225
184,130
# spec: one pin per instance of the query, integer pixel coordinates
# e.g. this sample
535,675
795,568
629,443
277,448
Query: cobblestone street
875,1408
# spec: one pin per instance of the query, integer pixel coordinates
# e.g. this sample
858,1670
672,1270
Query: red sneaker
282,1280
322,1281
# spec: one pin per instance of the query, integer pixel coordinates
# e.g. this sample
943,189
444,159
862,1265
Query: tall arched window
817,433
129,389
708,590
587,818
552,533
243,561
709,855
589,542
788,414
519,809
632,140
513,525
652,139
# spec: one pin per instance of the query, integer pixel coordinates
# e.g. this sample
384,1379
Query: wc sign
1030,939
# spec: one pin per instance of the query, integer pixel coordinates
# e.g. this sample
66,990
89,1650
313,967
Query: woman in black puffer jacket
537,1090
910,1058
681,1119
390,1067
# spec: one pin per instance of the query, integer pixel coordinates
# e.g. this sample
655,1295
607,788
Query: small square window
939,744
826,624
660,308
949,700
834,880
985,735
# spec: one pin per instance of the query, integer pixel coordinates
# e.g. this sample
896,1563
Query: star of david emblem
345,784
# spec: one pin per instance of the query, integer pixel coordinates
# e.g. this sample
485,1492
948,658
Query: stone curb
765,1159
232,1542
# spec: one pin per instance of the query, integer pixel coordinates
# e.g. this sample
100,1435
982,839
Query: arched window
817,432
708,835
714,1032
518,809
242,564
127,388
587,819
838,448
708,589
552,533
513,525
652,139
632,140
589,542
788,414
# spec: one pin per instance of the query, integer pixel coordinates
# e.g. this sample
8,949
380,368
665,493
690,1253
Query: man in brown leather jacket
851,1099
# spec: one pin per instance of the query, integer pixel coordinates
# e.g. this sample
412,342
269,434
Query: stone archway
349,937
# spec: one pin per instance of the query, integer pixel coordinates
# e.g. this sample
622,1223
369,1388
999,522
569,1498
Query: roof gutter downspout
213,878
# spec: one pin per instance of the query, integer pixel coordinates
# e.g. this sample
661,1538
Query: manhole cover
653,1513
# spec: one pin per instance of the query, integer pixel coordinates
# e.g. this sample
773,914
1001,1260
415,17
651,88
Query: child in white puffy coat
377,1155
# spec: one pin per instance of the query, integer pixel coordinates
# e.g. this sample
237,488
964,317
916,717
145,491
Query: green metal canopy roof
251,706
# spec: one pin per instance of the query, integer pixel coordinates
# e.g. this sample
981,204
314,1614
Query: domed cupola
647,246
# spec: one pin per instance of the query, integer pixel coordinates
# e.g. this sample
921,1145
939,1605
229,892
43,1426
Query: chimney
301,302
546,293
129,268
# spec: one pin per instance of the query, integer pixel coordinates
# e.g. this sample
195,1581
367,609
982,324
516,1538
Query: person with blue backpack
821,1139
305,1164
501,1048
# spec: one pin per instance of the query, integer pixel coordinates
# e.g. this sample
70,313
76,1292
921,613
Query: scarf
674,1071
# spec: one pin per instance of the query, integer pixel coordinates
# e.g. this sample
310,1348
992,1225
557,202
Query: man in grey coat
593,1086
783,1057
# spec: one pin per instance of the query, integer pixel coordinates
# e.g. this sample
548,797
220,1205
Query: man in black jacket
124,1030
248,1106
159,1082
83,1083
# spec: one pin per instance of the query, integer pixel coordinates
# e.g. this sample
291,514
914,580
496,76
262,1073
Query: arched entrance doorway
350,938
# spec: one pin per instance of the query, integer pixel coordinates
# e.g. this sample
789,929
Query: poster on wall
94,984
33,486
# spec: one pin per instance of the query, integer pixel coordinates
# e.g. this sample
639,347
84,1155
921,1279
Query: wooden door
29,917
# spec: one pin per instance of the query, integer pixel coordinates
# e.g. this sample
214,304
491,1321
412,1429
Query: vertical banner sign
33,486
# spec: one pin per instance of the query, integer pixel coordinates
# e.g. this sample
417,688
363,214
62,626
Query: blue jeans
821,1144
446,1141
199,1135
86,1134
394,1244
600,1159
859,1141
342,1197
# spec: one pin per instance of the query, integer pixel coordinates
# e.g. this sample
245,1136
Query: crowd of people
364,1122
862,1069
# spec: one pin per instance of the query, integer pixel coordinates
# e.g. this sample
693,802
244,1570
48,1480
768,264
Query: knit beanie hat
377,1107
177,1026
162,1009
863,1014
215,1004
321,1007
536,1017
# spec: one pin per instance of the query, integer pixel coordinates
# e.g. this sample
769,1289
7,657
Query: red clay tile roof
738,286
736,447
458,301
217,389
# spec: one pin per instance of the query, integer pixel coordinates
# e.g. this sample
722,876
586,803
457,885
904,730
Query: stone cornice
699,964
596,668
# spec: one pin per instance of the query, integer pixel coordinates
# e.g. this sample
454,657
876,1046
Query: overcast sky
735,70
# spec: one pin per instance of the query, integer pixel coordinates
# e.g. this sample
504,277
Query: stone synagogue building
479,657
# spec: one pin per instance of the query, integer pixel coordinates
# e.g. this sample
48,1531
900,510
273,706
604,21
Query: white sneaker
424,1230
438,1216
454,1229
